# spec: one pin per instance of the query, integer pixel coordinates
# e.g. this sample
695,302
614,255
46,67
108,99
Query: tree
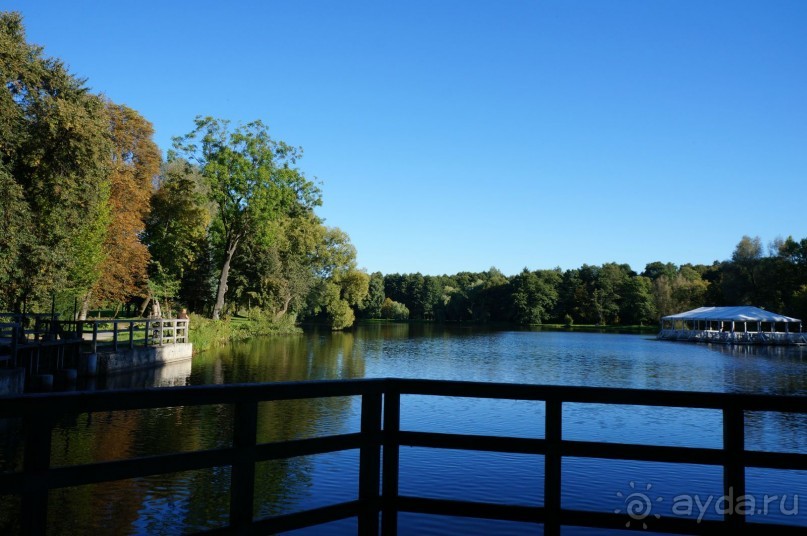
135,164
278,274
534,296
637,305
250,179
371,304
341,286
176,234
54,159
741,276
393,310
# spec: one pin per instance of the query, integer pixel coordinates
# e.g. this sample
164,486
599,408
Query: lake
197,500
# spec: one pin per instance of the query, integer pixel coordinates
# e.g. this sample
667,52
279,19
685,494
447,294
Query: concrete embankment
136,358
12,381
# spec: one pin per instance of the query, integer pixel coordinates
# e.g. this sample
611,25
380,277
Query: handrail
378,497
9,340
129,333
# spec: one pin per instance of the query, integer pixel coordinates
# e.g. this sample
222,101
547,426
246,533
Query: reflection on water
196,500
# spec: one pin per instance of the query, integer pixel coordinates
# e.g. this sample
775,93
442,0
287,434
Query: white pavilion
732,325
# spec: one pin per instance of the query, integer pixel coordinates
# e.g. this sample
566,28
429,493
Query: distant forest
610,294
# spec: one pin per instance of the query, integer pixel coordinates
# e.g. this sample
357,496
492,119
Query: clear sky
458,135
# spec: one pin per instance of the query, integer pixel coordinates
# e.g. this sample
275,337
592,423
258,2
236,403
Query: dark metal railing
379,501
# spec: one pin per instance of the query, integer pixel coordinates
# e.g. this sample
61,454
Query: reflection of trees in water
777,370
319,356
152,504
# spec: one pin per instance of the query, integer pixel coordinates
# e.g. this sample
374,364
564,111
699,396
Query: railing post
36,465
391,466
734,467
131,334
15,334
552,466
370,463
147,333
95,337
114,336
242,478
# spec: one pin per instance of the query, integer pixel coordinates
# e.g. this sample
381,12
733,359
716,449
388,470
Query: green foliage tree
534,296
176,234
252,181
637,306
371,304
55,148
740,277
278,273
393,310
341,285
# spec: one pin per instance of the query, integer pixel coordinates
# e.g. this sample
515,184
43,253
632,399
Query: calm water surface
169,504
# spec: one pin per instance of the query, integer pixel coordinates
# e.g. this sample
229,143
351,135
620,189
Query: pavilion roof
742,313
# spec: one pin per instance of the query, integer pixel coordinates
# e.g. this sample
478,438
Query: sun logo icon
638,504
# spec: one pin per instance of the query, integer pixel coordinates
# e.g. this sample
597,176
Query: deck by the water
734,337
39,351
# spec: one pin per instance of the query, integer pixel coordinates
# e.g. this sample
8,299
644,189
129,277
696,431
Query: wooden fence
379,501
29,334
121,334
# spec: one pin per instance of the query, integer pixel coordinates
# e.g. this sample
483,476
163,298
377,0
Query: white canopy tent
741,313
743,324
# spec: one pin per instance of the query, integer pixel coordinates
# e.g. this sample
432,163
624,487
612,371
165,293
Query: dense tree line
606,295
92,216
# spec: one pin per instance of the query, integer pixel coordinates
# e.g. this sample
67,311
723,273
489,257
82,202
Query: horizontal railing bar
645,453
665,524
582,449
307,518
602,395
670,524
309,446
775,460
213,394
580,518
34,404
448,507
79,475
520,445
295,520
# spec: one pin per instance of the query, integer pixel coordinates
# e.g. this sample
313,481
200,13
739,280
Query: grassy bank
206,333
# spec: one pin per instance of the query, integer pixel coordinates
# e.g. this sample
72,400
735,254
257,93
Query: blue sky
460,135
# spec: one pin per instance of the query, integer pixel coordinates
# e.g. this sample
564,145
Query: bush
394,310
206,333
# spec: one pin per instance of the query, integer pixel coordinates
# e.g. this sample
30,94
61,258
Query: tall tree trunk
143,305
156,310
285,308
85,306
225,272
